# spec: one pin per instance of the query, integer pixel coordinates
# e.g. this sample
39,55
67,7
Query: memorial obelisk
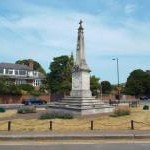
80,71
80,102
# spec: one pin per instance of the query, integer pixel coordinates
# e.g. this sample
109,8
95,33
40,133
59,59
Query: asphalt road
125,146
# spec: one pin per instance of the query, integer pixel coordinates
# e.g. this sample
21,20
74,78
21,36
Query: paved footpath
92,135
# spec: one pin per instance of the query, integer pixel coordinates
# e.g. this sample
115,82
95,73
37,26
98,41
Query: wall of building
12,99
113,97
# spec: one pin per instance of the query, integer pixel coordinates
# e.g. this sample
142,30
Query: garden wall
12,99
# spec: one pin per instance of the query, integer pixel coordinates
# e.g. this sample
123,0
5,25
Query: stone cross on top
80,23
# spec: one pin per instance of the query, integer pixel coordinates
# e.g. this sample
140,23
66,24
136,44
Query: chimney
31,62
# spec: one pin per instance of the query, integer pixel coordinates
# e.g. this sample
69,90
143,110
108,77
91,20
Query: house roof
15,66
20,67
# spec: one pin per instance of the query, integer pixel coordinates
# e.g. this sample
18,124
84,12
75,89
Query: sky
44,29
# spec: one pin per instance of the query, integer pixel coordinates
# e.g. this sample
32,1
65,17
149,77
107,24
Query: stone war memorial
80,102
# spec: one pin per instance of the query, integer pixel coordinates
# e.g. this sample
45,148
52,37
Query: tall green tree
60,74
106,87
138,83
36,65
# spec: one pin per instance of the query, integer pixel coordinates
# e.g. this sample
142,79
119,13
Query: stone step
79,98
86,102
79,108
78,104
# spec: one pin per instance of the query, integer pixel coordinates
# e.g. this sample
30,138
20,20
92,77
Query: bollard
132,125
50,125
9,125
91,124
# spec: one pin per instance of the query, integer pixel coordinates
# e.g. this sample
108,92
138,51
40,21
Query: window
16,72
30,73
22,72
35,73
19,81
1,70
9,71
37,82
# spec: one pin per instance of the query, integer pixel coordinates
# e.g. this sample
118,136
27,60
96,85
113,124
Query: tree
94,85
106,87
45,87
26,87
60,74
138,83
7,87
3,85
36,65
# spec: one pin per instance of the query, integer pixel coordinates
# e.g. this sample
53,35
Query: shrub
25,110
55,114
121,111
26,87
2,109
145,107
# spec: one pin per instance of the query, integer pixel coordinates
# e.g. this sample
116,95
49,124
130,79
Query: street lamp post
118,86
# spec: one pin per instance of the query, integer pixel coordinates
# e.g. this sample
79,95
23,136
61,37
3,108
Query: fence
55,125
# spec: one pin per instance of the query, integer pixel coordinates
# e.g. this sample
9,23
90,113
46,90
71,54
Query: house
21,74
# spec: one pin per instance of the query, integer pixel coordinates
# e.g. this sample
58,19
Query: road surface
111,146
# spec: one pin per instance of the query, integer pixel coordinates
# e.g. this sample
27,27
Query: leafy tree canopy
7,87
36,65
94,85
26,87
138,83
106,87
60,74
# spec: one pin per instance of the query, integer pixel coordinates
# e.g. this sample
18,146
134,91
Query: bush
145,107
2,109
25,110
55,114
121,111
26,87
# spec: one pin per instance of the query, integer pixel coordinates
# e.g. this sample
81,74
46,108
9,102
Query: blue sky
43,29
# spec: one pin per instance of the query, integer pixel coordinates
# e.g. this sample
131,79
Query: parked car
34,101
144,98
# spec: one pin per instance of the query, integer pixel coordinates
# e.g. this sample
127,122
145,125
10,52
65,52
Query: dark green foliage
29,89
54,115
36,65
94,85
44,88
106,87
35,93
59,77
14,90
138,83
26,87
2,109
8,88
145,107
26,109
